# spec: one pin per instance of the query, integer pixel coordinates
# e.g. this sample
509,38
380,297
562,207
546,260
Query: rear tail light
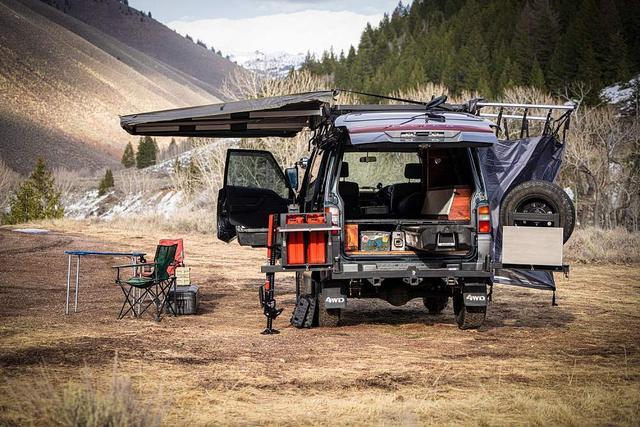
484,219
335,218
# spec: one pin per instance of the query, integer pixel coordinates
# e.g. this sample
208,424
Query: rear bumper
364,270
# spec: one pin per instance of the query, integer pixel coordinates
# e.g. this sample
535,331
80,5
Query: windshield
386,168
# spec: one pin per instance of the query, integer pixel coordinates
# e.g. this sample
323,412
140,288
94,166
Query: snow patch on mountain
623,94
108,206
273,64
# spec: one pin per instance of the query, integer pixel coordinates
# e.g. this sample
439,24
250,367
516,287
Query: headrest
344,172
413,171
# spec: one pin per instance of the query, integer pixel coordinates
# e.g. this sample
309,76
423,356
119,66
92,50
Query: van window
370,169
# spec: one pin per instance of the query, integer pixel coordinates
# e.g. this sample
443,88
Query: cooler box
186,299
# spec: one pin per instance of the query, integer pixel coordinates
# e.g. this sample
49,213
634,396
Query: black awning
282,116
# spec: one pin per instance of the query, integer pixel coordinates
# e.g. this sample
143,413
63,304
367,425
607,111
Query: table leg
75,308
66,307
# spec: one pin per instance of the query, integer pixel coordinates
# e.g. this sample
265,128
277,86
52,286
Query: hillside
63,84
136,29
486,46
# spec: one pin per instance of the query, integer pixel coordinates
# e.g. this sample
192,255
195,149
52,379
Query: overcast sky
292,26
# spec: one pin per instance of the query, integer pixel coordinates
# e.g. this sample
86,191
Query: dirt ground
532,363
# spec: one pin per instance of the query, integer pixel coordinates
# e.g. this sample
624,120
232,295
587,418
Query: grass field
531,364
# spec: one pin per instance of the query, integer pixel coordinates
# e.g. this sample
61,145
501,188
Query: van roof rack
507,110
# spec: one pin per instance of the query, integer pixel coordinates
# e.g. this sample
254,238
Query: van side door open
254,187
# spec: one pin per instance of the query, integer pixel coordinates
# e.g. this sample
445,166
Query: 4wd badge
475,299
333,298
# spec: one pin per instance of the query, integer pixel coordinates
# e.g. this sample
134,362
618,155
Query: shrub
128,156
42,402
36,198
106,183
592,245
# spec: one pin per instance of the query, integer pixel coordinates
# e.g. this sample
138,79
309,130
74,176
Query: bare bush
66,180
592,245
243,86
209,157
42,402
598,151
132,181
9,180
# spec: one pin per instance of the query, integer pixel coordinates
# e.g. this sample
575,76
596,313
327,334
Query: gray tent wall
505,165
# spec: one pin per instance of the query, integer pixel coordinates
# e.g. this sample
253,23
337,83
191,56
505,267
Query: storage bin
186,300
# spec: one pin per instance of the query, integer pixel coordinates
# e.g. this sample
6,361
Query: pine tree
106,183
171,150
128,157
36,198
537,76
147,152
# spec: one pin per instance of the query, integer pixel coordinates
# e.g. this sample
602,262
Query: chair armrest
134,265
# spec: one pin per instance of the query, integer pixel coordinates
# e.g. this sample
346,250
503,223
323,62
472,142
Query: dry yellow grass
532,364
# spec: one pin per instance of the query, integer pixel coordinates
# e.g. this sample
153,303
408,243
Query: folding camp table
132,255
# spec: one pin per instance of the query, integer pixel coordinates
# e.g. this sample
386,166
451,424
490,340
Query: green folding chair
154,288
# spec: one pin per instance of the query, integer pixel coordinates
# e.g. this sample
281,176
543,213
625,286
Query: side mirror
292,177
303,163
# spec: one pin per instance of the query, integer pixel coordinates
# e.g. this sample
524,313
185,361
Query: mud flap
334,298
475,296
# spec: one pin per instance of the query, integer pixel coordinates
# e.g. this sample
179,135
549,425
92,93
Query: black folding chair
154,287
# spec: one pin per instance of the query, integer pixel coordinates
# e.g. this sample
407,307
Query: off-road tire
305,286
467,317
543,191
435,305
326,317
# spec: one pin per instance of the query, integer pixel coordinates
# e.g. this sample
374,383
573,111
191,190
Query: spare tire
539,197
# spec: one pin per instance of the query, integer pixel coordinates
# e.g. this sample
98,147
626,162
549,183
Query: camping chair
156,285
178,261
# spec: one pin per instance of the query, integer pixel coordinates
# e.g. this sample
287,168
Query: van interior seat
350,193
403,190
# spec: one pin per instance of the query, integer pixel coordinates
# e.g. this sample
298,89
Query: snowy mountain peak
273,64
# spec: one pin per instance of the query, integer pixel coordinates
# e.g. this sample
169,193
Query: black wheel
436,304
327,317
539,197
467,317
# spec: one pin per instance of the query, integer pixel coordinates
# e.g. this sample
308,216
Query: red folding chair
178,260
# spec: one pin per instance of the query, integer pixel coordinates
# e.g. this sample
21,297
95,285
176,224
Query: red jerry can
317,249
295,241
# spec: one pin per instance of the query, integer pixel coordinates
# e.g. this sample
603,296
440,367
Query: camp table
132,255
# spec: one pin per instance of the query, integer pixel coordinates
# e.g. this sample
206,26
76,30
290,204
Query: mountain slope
136,29
63,85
